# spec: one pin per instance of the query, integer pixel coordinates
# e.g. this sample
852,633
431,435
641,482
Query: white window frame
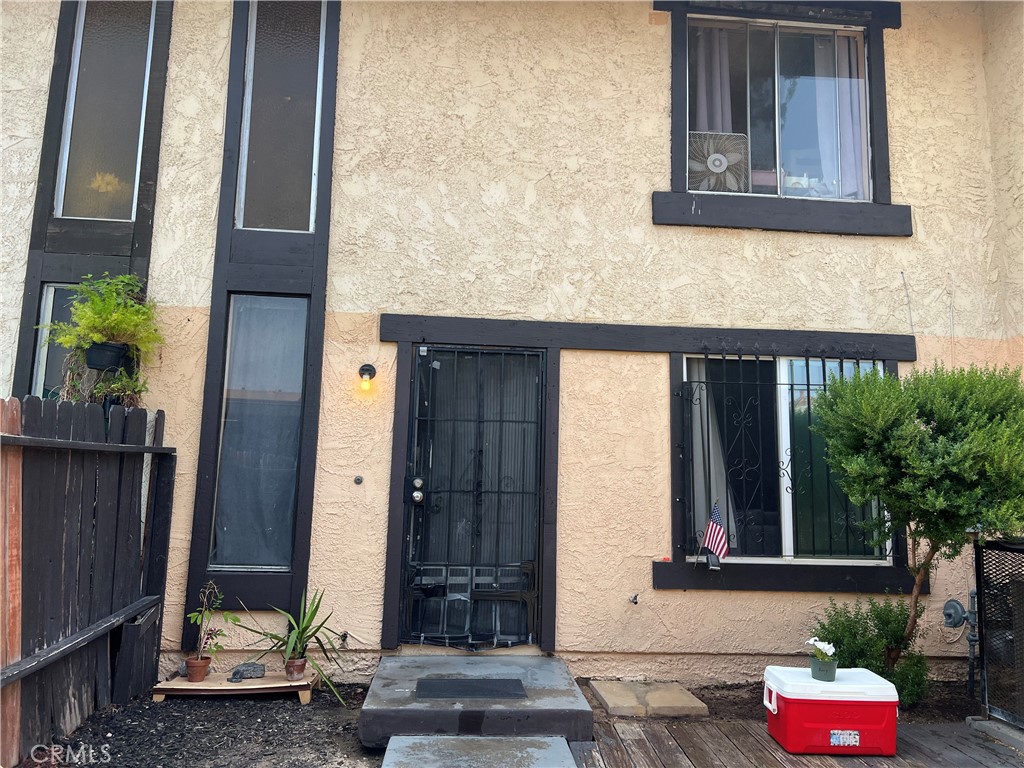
243,159
782,409
69,116
866,118
43,336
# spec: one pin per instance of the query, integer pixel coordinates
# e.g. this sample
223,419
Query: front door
472,498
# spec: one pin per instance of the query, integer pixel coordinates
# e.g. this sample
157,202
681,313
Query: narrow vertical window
101,145
257,470
281,117
48,374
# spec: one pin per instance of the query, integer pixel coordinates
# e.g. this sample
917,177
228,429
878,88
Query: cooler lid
855,684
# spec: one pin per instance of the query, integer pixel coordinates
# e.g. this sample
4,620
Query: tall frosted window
99,162
257,472
277,174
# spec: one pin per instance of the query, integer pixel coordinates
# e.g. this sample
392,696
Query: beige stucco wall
497,160
181,271
1003,25
27,32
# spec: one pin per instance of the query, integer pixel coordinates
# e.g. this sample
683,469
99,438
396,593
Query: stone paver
625,699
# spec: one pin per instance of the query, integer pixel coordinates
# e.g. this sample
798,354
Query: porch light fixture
366,372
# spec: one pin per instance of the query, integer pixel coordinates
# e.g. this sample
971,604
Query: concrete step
553,704
478,752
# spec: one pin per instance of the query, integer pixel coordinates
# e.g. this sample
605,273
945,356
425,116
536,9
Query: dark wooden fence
86,524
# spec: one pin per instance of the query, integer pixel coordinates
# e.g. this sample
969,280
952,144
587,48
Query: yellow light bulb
365,383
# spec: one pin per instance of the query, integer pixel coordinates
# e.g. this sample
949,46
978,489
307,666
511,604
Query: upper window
751,449
777,110
281,117
779,118
101,144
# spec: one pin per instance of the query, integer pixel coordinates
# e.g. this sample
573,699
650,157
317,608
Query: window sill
783,577
781,214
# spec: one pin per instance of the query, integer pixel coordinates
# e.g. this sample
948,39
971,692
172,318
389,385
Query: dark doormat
469,688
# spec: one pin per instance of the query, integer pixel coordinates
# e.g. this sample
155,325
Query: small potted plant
305,630
210,598
112,330
823,663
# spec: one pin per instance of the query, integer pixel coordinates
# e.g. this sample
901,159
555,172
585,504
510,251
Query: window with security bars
750,446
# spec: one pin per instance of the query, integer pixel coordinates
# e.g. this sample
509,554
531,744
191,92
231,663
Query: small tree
943,451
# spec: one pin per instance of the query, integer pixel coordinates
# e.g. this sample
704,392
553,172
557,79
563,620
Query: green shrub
865,634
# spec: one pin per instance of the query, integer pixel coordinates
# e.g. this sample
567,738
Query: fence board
99,502
10,588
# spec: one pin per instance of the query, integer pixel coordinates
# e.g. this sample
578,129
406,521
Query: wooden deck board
667,748
636,745
747,744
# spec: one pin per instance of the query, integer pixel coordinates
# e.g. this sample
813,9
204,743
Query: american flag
714,534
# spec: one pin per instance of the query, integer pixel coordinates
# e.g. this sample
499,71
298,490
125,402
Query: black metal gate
1000,571
473,498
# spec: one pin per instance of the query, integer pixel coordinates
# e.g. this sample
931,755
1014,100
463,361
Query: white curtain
852,127
709,477
712,82
825,98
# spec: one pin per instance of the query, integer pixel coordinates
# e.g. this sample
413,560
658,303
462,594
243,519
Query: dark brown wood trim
679,207
885,14
878,125
829,217
265,262
66,250
391,624
645,338
549,503
777,577
677,437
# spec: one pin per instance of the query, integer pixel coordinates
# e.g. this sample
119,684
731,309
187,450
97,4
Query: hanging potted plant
112,331
210,598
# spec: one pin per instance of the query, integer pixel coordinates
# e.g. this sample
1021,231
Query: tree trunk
892,655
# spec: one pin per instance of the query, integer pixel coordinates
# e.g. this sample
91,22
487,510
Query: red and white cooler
855,715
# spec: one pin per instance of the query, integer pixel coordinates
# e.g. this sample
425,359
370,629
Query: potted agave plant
210,598
302,632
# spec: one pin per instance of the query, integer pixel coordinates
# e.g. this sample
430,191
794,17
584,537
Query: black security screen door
473,498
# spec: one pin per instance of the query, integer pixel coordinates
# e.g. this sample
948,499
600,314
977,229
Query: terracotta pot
824,670
294,669
197,668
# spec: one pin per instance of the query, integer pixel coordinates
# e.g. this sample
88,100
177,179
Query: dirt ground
277,732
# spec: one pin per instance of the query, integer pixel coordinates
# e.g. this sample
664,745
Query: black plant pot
106,356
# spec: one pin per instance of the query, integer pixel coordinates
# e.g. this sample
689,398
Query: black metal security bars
748,445
1000,574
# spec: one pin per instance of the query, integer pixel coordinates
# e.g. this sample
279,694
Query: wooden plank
754,749
760,732
637,747
667,748
585,754
47,656
959,739
10,580
613,754
65,703
80,445
720,744
95,431
127,562
217,685
694,746
935,749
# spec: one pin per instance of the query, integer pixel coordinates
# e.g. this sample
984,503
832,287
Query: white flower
824,649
